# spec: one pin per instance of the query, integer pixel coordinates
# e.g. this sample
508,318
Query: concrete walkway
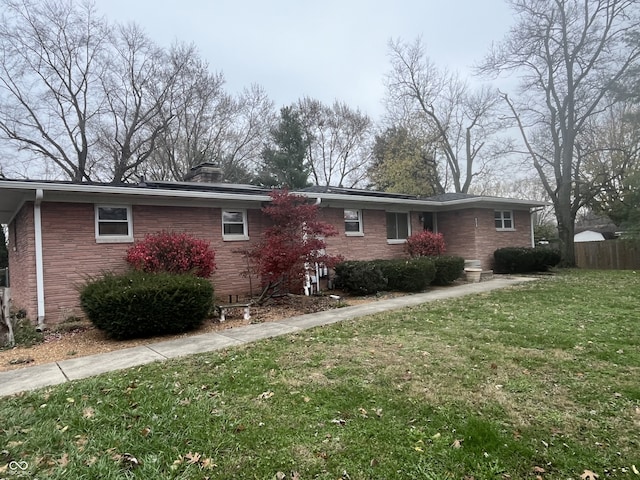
31,378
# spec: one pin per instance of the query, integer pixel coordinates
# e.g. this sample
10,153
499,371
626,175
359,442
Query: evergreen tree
284,163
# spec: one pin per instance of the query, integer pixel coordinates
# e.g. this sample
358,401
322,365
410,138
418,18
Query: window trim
502,219
235,237
360,232
113,238
398,241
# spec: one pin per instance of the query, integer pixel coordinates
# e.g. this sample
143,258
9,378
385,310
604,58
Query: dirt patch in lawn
78,339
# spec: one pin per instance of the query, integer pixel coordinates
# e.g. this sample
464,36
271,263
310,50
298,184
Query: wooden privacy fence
608,255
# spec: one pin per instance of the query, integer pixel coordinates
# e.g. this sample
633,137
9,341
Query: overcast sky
328,50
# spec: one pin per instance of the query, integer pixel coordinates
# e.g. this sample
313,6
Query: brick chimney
205,173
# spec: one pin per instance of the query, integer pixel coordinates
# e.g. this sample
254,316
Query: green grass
493,386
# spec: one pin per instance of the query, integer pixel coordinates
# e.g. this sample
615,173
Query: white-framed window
234,225
114,224
353,222
398,227
504,220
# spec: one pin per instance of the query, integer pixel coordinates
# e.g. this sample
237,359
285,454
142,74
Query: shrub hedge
448,269
412,275
367,277
523,259
138,304
360,277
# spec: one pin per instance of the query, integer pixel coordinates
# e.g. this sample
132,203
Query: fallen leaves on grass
64,460
283,476
127,460
194,458
266,395
589,475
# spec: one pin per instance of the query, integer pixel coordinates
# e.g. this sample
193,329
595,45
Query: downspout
532,212
37,221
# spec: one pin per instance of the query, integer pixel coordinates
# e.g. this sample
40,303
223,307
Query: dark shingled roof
206,187
449,197
355,191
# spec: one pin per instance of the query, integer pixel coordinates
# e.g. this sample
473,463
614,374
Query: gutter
132,191
37,221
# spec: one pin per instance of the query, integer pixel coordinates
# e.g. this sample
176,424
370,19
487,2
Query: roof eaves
133,190
479,200
368,199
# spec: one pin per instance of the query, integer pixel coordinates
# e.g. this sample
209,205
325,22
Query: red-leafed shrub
425,244
295,238
173,253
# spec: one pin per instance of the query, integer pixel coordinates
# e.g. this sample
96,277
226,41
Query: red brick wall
373,244
464,239
71,252
22,263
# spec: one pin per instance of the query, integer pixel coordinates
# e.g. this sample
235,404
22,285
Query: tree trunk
566,230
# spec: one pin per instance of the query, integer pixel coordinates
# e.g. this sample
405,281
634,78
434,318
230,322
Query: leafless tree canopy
339,141
89,101
613,160
570,55
459,124
52,59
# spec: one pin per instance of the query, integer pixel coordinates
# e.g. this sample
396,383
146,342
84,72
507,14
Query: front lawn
540,380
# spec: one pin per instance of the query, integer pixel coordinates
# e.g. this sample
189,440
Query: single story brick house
60,232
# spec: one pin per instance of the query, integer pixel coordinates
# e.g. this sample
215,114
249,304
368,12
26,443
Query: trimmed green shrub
523,259
367,277
138,304
360,277
547,258
413,275
448,269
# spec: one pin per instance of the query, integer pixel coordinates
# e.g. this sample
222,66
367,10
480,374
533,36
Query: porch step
486,275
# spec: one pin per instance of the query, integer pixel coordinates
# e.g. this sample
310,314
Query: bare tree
458,123
193,106
209,125
339,140
137,85
239,145
102,102
569,55
612,164
52,57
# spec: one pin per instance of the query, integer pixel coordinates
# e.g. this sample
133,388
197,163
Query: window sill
235,238
354,234
505,229
396,241
114,239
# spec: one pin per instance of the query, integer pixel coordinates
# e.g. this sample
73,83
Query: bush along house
60,233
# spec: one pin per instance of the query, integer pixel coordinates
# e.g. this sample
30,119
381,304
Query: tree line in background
84,99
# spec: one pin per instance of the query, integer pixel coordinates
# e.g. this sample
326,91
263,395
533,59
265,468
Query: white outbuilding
588,236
